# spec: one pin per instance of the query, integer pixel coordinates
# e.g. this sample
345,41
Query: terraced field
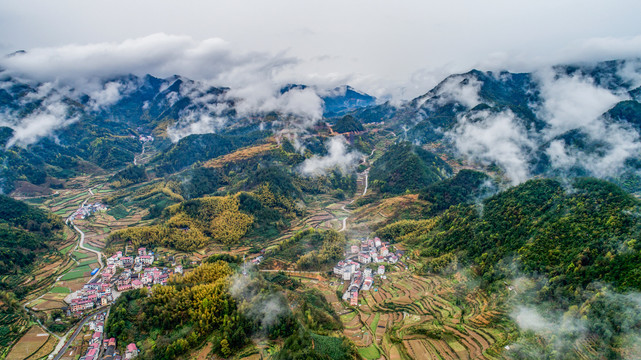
32,343
411,317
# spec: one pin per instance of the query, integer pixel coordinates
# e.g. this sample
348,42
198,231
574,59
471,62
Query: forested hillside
25,232
406,167
568,237
211,304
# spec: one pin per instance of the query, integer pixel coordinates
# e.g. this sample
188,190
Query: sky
399,49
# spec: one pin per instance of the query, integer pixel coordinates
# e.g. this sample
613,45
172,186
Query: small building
338,270
384,251
347,275
381,270
124,286
364,258
354,249
145,259
142,251
137,284
354,300
132,351
377,242
367,284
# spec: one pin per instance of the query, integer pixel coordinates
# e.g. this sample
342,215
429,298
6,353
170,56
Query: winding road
60,349
366,173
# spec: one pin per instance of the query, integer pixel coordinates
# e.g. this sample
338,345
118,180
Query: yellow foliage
229,226
192,224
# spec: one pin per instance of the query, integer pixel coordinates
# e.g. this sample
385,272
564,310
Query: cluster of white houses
370,251
93,293
88,209
135,274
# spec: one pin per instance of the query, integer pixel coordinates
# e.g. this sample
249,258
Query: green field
88,262
76,273
60,290
79,255
118,212
375,322
371,352
73,275
66,250
92,247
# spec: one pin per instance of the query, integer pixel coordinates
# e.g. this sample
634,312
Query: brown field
46,349
386,210
241,154
29,344
51,301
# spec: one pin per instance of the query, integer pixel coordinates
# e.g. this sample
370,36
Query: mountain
347,124
344,99
406,167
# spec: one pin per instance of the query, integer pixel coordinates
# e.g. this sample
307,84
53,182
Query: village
370,251
86,210
122,273
94,328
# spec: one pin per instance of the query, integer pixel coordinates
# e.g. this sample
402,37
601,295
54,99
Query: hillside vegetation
25,231
567,238
211,305
192,224
405,167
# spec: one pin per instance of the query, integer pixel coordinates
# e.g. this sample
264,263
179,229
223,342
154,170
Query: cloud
528,318
337,158
40,123
303,105
572,102
495,138
598,320
50,113
569,108
158,54
254,78
577,103
266,307
602,48
108,95
460,89
196,124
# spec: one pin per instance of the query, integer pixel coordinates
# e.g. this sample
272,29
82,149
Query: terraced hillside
410,317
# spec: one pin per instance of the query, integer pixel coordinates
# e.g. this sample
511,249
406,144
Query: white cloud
40,123
196,123
158,54
461,89
559,156
337,158
108,95
497,138
528,318
573,102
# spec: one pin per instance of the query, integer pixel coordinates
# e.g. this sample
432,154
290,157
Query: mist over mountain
566,120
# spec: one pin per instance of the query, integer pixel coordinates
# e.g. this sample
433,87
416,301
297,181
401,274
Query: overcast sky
384,47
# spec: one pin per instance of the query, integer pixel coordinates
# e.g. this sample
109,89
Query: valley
383,232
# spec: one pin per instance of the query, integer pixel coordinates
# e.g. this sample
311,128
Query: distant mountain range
515,121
